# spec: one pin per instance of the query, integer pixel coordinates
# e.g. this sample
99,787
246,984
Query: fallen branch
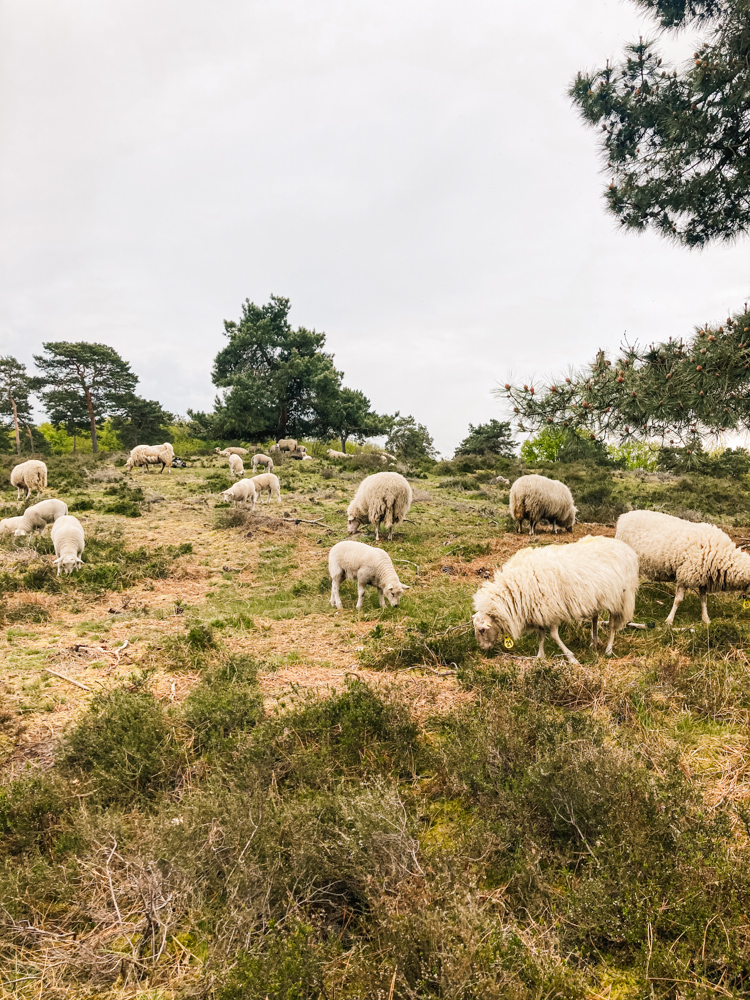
301,520
68,679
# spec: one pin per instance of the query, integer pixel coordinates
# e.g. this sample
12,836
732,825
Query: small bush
34,811
124,746
455,646
226,702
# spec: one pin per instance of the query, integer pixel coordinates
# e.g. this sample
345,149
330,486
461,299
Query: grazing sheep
367,565
68,539
263,460
336,454
696,556
151,454
235,466
9,524
32,475
287,444
540,499
241,492
541,588
267,481
384,497
226,452
39,515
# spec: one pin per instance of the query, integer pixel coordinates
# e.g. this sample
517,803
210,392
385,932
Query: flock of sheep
537,589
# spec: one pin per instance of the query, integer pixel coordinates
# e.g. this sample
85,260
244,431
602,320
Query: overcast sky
410,174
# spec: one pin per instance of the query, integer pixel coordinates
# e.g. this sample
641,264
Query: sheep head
486,630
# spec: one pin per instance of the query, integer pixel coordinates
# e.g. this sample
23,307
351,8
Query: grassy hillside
213,784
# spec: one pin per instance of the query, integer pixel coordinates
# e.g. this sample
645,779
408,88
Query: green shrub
34,813
420,643
124,746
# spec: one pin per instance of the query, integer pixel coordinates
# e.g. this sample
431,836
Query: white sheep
332,453
226,452
696,556
367,565
241,492
383,498
151,454
39,515
267,481
235,466
9,524
287,444
265,460
68,539
540,588
541,499
32,475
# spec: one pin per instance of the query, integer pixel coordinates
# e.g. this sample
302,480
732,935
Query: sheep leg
335,596
377,532
594,631
704,608
531,527
381,597
554,524
540,653
679,596
360,594
569,654
613,623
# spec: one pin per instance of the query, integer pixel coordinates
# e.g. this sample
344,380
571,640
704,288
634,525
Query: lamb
541,588
336,454
540,499
365,564
151,454
226,452
696,556
267,481
263,460
39,515
9,524
384,497
241,492
31,474
68,539
235,466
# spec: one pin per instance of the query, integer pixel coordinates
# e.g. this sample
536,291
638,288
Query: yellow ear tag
746,604
508,642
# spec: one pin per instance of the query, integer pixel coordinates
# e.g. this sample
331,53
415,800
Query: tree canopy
673,390
409,440
142,421
280,382
493,438
16,386
676,144
74,375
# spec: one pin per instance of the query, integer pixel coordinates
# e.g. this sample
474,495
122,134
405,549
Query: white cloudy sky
410,173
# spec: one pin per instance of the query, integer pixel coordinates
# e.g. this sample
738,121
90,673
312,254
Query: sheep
540,588
367,565
235,466
32,475
696,556
336,454
384,497
39,515
9,524
241,492
151,454
68,539
226,452
287,444
263,460
540,499
267,481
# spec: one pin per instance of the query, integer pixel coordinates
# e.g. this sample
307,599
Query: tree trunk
344,439
15,424
92,419
75,438
31,439
281,426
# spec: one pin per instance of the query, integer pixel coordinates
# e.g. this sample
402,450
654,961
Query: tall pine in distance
676,143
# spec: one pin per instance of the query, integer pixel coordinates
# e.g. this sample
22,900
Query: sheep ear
406,586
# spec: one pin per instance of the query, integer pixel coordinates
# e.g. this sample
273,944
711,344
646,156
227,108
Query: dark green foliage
357,732
494,438
677,391
16,387
226,703
408,440
34,813
674,143
97,382
200,636
142,421
123,747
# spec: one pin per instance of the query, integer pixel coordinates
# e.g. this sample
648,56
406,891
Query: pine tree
493,438
673,390
676,145
16,386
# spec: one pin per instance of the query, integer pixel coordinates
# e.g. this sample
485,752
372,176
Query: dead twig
68,679
301,520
